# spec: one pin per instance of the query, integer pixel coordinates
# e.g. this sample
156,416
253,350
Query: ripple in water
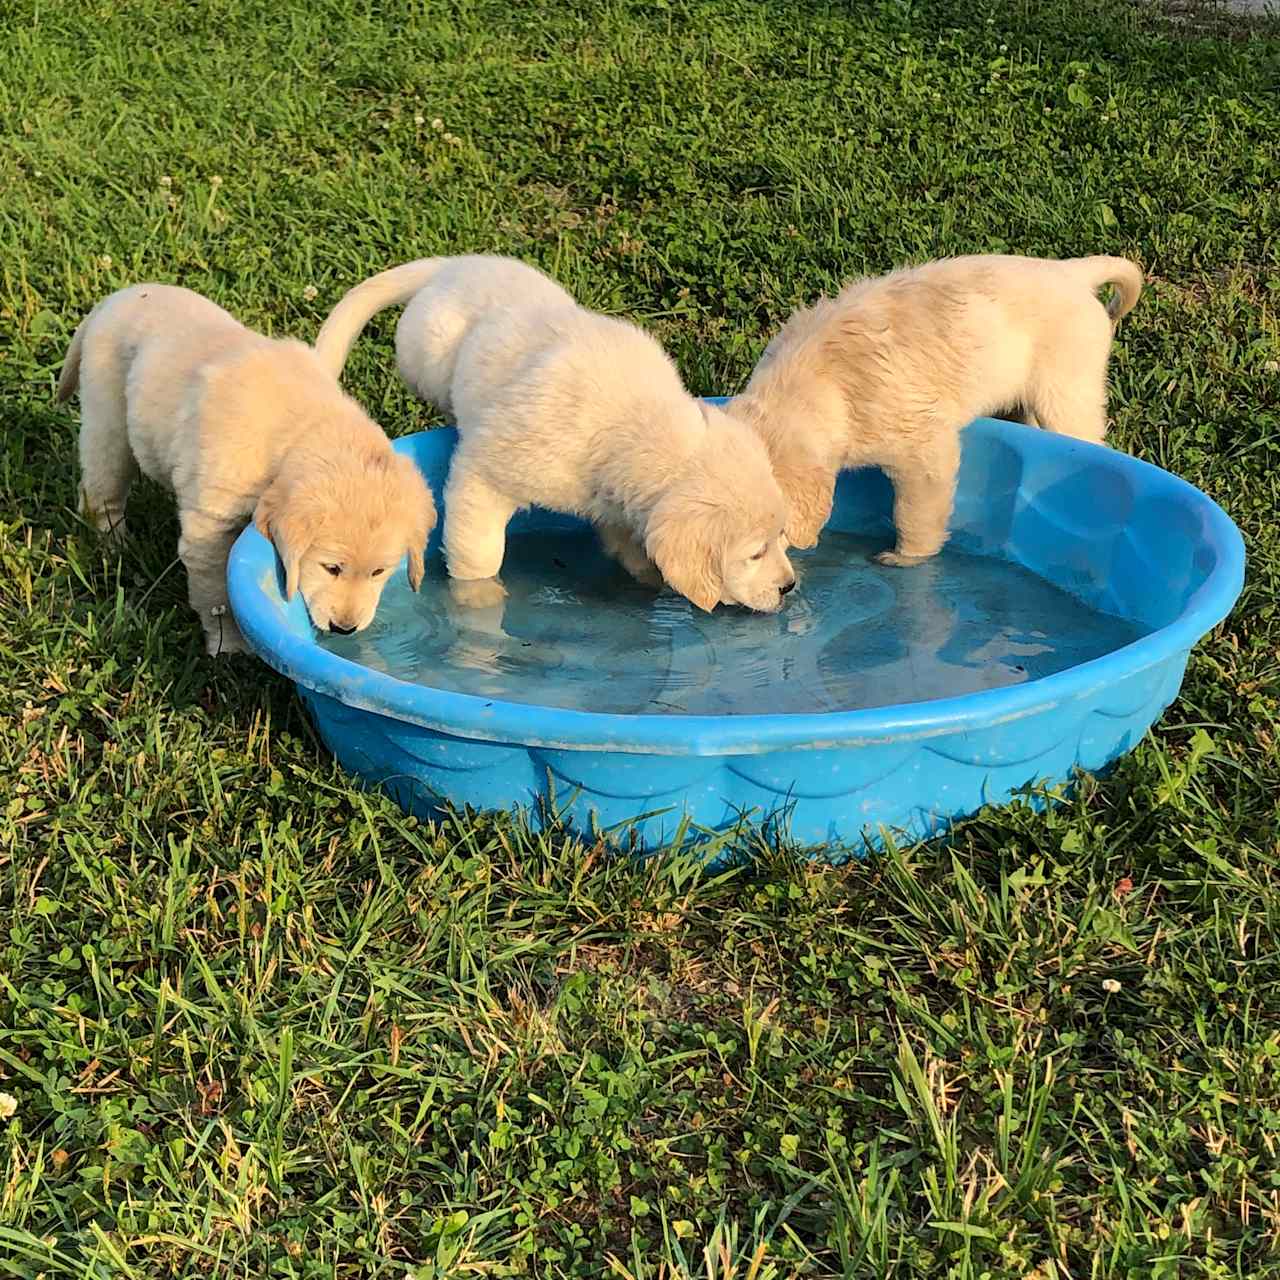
576,632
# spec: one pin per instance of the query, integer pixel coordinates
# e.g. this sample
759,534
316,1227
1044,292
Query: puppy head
341,526
717,534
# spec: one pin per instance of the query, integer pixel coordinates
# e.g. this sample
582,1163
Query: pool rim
472,717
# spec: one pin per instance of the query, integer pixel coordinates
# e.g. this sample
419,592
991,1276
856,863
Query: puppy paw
229,642
804,533
647,575
110,527
477,593
623,546
897,561
221,635
107,518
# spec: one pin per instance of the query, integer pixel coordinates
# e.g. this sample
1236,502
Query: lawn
257,1023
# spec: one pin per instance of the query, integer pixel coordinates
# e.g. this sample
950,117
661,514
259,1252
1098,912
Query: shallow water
576,632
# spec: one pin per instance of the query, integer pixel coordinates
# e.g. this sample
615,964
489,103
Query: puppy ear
809,489
417,497
685,539
279,517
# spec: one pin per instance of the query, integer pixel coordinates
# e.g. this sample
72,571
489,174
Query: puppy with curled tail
560,407
239,426
887,374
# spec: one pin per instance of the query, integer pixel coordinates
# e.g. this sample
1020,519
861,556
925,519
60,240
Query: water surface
576,632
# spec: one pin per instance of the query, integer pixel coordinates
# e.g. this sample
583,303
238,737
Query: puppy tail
69,378
1124,276
359,305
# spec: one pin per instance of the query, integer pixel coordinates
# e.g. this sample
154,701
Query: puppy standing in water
238,425
561,408
889,372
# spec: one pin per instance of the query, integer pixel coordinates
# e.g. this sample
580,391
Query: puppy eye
377,573
333,570
760,555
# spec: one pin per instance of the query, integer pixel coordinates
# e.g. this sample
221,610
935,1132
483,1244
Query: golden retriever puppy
887,373
562,408
236,425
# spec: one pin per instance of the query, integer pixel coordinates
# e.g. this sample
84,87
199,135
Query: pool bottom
576,633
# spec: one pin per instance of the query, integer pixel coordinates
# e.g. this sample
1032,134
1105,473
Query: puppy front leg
622,545
923,494
475,537
203,548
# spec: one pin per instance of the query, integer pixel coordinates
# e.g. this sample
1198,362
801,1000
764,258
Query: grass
257,1023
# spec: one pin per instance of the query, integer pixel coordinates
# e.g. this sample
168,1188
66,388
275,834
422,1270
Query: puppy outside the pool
240,426
887,374
562,408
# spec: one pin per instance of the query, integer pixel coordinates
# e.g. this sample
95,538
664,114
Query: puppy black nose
342,631
788,587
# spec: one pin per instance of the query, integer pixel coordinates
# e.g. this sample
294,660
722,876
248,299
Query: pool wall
1125,537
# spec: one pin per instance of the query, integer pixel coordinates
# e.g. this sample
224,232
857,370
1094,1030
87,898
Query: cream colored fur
887,373
561,408
237,426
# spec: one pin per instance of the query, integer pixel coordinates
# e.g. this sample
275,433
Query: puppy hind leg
1079,410
1022,413
1069,388
203,548
475,537
107,466
923,496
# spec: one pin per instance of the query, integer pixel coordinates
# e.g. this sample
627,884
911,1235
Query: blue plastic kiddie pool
1048,637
